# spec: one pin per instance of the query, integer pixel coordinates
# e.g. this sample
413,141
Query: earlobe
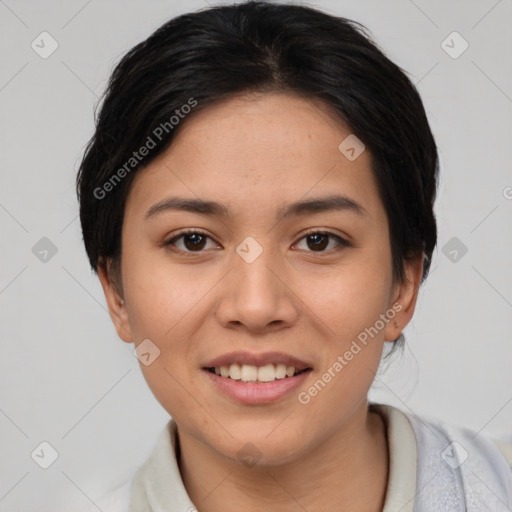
116,304
405,295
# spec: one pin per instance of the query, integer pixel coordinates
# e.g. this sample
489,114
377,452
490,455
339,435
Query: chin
256,446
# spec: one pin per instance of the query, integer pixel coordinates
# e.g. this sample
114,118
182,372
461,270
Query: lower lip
257,393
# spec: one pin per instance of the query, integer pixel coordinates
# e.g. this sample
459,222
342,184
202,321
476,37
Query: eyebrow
212,208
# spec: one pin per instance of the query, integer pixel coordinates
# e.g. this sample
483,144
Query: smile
252,373
256,378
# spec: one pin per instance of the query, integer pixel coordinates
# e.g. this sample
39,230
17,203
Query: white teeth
248,373
235,371
251,373
280,371
266,373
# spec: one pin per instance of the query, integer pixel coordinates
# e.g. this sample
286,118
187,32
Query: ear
404,297
115,303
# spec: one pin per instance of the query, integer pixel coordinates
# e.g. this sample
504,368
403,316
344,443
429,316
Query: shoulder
460,441
464,441
458,465
428,427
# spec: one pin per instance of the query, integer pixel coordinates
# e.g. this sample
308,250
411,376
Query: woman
257,201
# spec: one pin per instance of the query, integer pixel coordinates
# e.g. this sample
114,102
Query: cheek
351,297
350,303
161,311
351,306
162,295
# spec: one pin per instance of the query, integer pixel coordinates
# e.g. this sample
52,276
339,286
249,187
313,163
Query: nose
257,294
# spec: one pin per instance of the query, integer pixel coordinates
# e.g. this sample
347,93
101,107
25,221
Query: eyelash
343,243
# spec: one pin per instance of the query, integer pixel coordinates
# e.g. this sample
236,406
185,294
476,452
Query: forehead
255,151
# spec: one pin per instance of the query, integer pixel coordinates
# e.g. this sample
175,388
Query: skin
253,153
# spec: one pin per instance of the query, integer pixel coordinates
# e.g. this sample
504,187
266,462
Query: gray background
65,377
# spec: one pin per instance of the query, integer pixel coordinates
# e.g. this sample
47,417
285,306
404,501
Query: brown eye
193,241
317,241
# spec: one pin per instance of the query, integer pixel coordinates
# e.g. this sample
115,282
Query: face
299,287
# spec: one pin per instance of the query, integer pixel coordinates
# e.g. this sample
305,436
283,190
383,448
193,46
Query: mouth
256,374
256,379
257,367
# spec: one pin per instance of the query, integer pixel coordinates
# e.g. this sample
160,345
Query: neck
348,470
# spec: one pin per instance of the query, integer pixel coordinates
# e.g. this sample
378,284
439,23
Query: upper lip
262,359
